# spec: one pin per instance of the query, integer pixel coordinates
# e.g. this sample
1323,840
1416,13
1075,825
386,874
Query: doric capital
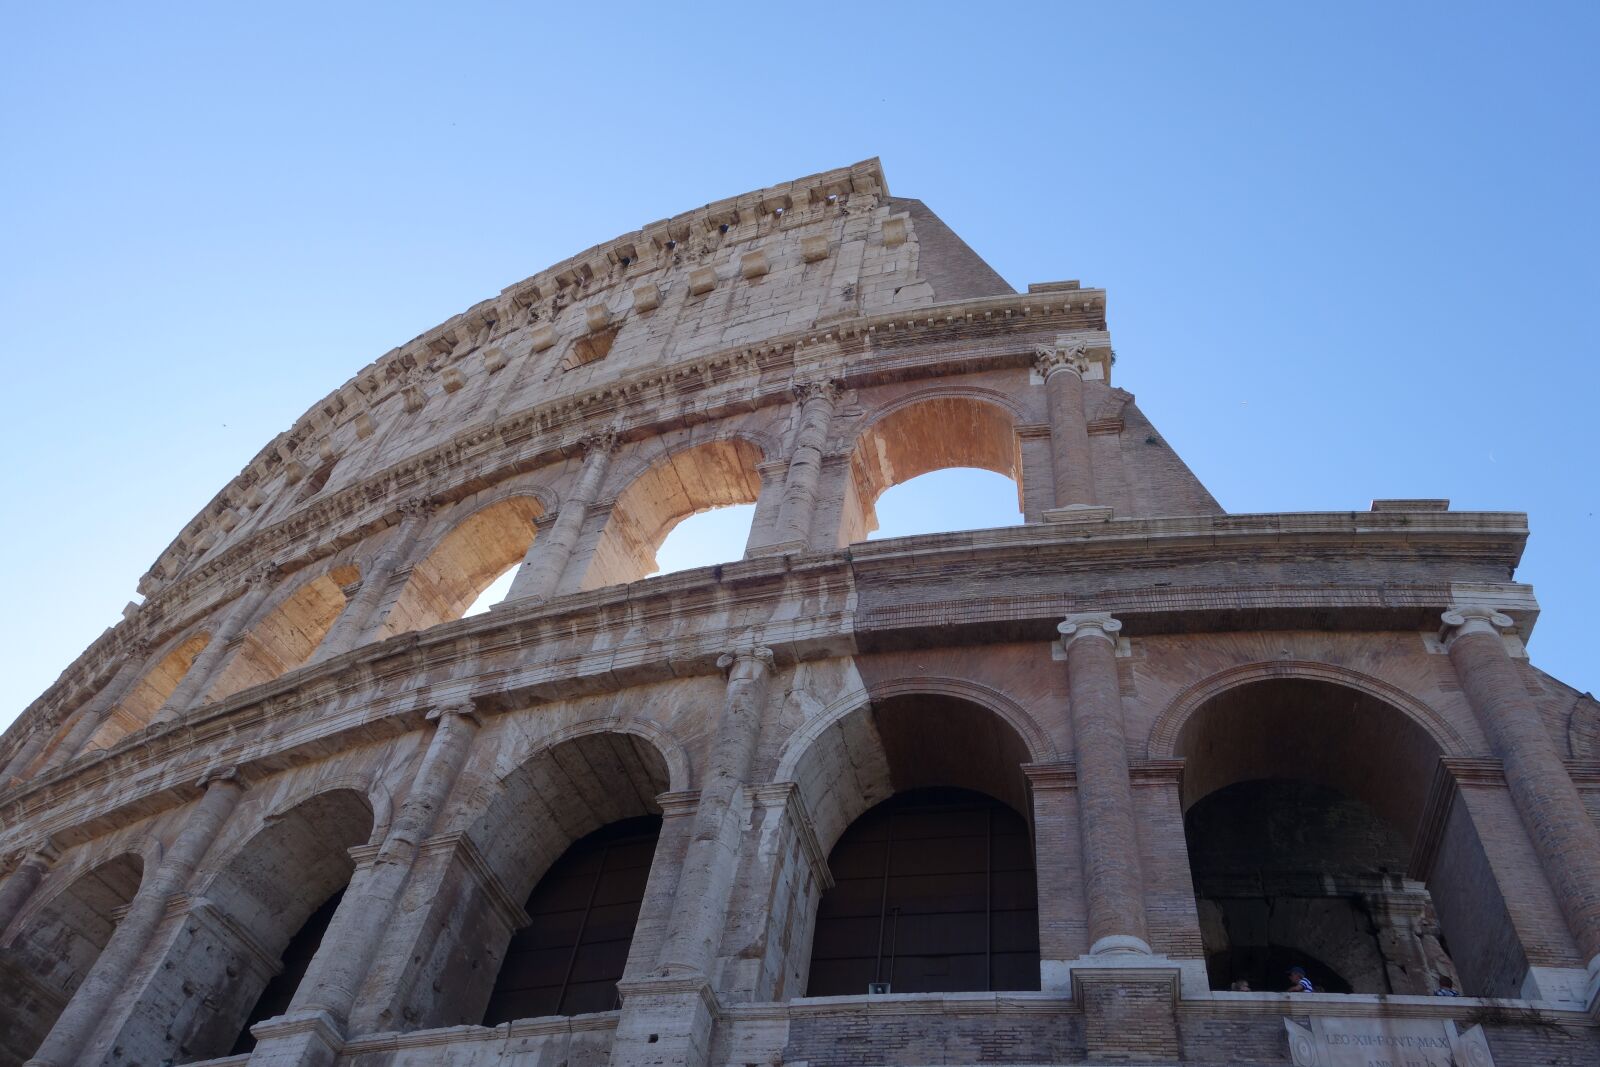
1088,624
599,441
745,662
1463,619
454,709
828,389
221,775
1064,355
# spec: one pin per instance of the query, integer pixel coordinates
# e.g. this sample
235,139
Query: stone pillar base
1078,513
1190,975
1565,987
780,548
665,1022
1130,1007
304,1039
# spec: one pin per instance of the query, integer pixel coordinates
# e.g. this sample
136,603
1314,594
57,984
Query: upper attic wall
829,247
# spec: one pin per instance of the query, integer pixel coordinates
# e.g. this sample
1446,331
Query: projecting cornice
1312,571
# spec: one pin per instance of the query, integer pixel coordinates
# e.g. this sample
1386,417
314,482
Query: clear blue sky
1350,248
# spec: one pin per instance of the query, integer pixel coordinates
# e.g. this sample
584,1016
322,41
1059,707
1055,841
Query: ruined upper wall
830,247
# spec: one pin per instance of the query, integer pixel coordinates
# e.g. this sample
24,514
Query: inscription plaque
1335,1042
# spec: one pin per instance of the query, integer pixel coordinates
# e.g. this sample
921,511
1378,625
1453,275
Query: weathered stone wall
296,709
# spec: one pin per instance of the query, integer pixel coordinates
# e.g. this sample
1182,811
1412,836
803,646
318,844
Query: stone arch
464,557
712,474
289,631
520,823
930,430
145,697
55,943
1164,733
258,897
1322,783
845,740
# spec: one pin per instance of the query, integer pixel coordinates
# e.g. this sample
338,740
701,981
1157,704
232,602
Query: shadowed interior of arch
289,633
454,577
959,767
930,435
1305,806
573,832
717,474
44,961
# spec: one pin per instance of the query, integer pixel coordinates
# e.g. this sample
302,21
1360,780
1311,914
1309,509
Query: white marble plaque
1336,1042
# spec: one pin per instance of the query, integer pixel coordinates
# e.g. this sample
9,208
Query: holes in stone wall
591,347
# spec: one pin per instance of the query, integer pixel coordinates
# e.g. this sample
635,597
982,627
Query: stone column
193,685
547,557
357,618
309,1032
26,753
1113,880
87,1009
1062,368
700,911
1566,839
93,715
18,887
817,401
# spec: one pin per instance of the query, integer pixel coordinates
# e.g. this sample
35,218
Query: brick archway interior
930,435
481,548
287,636
716,474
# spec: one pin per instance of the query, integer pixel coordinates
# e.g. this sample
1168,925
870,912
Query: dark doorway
568,960
274,999
933,892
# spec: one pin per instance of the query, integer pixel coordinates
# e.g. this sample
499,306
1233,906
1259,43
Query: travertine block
453,380
753,265
647,297
364,426
702,281
597,317
814,248
894,232
494,358
543,338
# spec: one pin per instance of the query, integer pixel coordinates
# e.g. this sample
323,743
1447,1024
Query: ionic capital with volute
1088,624
1463,619
461,709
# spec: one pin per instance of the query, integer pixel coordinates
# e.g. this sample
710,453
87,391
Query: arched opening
43,962
253,928
573,832
140,704
1303,802
477,552
930,435
717,474
569,959
288,635
706,539
933,892
924,798
956,498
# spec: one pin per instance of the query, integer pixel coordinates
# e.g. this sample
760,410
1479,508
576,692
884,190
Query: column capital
1463,619
448,709
262,574
754,659
828,389
1064,355
219,775
1088,624
599,441
417,507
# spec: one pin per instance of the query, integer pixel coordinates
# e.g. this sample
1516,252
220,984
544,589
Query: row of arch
488,535
947,868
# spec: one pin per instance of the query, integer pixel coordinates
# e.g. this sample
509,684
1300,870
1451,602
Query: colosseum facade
1080,790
